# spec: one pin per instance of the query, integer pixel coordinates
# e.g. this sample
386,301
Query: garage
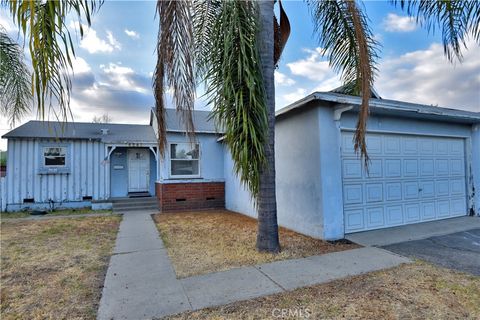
410,179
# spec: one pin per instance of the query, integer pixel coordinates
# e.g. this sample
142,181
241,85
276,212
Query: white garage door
411,179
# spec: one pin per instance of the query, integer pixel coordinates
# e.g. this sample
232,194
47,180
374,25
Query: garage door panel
442,188
427,189
441,167
457,187
374,192
353,194
410,146
392,145
375,169
411,179
457,167
443,208
352,169
410,168
441,147
427,167
394,215
410,190
428,210
393,168
393,191
458,207
354,220
375,217
412,212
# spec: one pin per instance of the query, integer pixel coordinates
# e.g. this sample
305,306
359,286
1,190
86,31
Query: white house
425,165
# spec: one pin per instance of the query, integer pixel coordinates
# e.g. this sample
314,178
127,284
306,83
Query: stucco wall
299,186
237,197
211,158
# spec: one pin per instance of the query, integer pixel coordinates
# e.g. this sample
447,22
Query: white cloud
298,94
282,79
124,78
396,23
427,77
113,42
132,34
80,65
93,43
314,67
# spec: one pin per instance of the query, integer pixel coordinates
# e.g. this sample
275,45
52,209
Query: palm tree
229,47
232,43
43,25
15,87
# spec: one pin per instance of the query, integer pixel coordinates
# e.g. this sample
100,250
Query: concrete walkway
141,282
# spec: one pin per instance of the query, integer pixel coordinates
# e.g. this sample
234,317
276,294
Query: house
425,165
72,165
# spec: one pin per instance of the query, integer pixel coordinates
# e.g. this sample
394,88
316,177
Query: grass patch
413,291
54,269
210,241
66,212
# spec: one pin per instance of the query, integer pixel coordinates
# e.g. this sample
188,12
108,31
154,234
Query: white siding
87,176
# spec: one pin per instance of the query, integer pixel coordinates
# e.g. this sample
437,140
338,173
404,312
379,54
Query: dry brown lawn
210,241
54,269
413,291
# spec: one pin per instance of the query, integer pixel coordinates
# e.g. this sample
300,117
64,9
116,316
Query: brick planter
190,196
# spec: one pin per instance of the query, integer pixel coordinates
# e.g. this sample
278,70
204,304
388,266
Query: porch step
131,204
137,208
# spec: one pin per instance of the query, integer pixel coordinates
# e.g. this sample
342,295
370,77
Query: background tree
104,118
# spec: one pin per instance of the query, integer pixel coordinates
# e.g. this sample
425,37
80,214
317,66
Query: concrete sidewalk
141,282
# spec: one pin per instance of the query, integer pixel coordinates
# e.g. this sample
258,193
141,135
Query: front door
138,170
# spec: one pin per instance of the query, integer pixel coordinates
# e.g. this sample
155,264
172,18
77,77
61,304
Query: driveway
459,250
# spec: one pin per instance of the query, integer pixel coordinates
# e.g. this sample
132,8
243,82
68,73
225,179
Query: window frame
54,169
54,166
170,159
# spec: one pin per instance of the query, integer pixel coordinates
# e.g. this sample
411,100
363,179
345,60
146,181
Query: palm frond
15,87
175,63
43,25
344,35
235,87
457,19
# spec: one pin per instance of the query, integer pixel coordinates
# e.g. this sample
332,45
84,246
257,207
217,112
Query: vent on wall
87,198
181,200
28,200
210,198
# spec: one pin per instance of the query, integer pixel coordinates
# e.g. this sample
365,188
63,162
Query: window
54,156
184,160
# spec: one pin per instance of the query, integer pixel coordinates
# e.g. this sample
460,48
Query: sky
116,58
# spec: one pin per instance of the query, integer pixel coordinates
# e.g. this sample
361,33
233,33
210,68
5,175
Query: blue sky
116,58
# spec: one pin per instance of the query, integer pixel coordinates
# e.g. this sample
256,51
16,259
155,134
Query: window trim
44,169
54,166
174,176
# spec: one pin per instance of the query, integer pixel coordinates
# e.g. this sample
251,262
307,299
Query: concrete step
134,200
137,208
135,204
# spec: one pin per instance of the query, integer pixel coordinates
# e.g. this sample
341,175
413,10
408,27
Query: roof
117,133
385,106
201,121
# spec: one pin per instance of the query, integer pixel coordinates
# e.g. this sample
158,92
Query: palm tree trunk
267,236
